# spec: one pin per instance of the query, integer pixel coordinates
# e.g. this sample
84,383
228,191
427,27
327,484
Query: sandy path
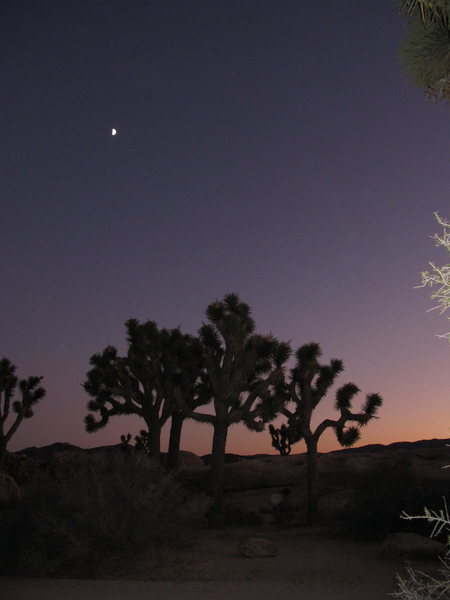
309,566
70,589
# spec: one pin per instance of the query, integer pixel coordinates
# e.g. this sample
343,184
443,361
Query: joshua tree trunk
155,445
310,382
174,441
313,481
154,438
216,515
3,445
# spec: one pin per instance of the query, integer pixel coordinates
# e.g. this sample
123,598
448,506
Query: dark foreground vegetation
90,515
83,516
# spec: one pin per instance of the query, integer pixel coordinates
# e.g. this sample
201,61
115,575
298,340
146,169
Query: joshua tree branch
260,390
15,425
201,417
325,424
7,401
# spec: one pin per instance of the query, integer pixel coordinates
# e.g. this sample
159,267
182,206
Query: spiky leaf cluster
283,438
347,437
371,405
428,10
426,46
345,395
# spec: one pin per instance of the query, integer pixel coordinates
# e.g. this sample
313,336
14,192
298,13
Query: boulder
257,548
265,472
10,493
412,545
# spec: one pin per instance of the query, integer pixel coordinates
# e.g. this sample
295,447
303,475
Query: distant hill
46,452
434,443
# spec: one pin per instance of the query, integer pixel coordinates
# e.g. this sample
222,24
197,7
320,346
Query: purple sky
272,148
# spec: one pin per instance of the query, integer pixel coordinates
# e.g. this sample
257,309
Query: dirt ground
309,565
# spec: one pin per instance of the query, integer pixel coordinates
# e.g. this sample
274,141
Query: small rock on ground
257,547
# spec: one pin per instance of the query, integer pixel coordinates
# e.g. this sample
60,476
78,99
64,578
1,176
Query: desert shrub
78,518
382,493
421,586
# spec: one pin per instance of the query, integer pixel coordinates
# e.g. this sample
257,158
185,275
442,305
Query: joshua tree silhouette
30,392
244,372
160,367
309,384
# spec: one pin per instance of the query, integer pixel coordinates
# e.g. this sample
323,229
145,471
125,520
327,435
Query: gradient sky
272,148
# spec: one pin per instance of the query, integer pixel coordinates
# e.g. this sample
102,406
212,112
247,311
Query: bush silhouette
383,493
77,518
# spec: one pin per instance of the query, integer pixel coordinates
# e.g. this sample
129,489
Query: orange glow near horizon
427,421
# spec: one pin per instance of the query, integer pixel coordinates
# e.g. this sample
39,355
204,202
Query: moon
114,132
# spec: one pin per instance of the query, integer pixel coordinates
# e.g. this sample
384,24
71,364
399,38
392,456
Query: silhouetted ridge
433,443
45,452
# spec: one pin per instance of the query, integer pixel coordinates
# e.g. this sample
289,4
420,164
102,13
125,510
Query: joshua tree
283,438
30,392
426,47
125,439
244,371
440,276
309,384
159,365
141,442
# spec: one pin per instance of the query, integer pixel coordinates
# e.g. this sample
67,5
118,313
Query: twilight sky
272,148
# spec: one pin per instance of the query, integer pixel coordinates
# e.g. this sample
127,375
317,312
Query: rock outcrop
409,545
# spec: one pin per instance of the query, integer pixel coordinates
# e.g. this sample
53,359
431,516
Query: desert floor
310,565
